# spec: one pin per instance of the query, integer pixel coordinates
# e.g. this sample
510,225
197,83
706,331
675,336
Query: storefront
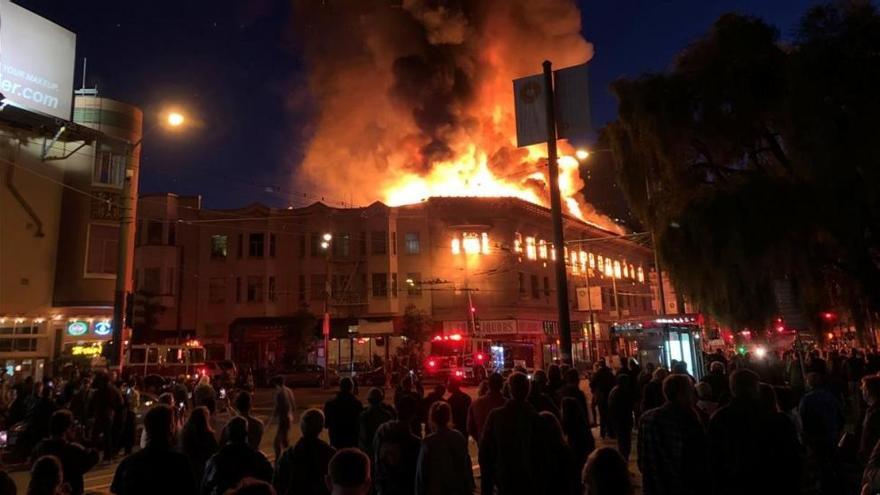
82,340
25,347
361,340
663,341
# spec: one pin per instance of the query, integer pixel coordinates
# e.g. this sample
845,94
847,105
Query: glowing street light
582,154
328,237
175,119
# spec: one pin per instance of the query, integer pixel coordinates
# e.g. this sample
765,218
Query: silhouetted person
235,461
157,468
428,401
104,403
396,451
538,396
554,379
444,465
341,413
349,473
197,440
652,394
718,380
607,473
371,418
823,421
513,450
251,486
672,443
572,389
75,459
577,431
482,406
303,467
871,423
600,385
285,405
621,404
563,475
752,450
47,477
406,389
255,427
460,403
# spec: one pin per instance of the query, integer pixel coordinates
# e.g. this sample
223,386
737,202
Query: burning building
234,279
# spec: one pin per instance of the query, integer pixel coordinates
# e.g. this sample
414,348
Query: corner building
480,267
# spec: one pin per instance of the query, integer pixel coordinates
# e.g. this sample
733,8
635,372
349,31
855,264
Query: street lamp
172,120
582,154
325,245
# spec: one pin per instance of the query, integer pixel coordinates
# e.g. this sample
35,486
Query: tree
416,328
754,162
300,335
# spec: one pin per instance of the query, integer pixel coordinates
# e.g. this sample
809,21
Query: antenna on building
83,91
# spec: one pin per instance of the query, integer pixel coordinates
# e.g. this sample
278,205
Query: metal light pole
325,245
556,214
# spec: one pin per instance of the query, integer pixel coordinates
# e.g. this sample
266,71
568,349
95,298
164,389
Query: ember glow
414,99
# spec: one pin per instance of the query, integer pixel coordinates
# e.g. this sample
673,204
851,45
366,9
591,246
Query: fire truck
456,355
165,360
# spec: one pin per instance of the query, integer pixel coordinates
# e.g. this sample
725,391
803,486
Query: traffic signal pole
556,213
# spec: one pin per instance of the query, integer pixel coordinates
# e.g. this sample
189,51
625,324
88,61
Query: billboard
36,62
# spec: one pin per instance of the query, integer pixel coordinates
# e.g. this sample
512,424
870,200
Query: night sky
235,64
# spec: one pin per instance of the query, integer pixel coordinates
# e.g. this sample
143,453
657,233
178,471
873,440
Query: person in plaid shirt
672,443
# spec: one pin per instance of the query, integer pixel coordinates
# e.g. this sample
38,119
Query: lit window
484,243
456,245
601,265
517,243
632,271
616,269
531,252
583,255
542,249
470,241
641,275
625,270
592,261
609,270
219,246
109,169
553,253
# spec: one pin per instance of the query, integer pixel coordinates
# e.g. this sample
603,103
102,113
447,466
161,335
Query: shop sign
103,328
498,327
86,350
77,328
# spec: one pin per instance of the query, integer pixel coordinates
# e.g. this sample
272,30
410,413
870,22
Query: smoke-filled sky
243,67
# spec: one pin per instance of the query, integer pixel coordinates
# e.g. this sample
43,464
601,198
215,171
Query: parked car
303,375
362,373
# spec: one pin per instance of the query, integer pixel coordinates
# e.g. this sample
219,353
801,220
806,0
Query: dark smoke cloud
402,85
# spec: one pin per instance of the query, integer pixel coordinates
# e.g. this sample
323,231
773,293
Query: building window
380,285
255,245
542,249
170,281
172,233
547,286
341,244
517,243
240,251
255,288
152,280
536,288
363,244
302,245
394,285
317,286
154,232
531,250
272,294
302,284
521,283
238,289
414,284
272,243
379,242
412,243
641,275
103,249
110,169
217,290
219,246
471,243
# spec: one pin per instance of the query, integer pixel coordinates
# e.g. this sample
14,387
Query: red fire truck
456,355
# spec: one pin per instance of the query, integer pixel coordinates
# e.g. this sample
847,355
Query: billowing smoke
403,89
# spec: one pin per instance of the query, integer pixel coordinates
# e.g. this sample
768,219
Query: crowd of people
778,424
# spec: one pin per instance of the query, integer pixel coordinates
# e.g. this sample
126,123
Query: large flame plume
414,98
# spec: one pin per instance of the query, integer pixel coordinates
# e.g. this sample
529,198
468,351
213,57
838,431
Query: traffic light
476,325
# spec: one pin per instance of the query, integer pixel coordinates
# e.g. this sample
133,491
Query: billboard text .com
10,88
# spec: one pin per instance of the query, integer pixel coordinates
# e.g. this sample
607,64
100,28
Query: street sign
573,120
530,107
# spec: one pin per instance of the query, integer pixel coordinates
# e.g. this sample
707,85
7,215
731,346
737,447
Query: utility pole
125,219
556,214
325,327
592,344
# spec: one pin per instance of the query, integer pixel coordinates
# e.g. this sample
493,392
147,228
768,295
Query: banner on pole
572,102
573,118
531,110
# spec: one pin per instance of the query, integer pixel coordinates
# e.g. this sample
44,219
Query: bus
165,360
